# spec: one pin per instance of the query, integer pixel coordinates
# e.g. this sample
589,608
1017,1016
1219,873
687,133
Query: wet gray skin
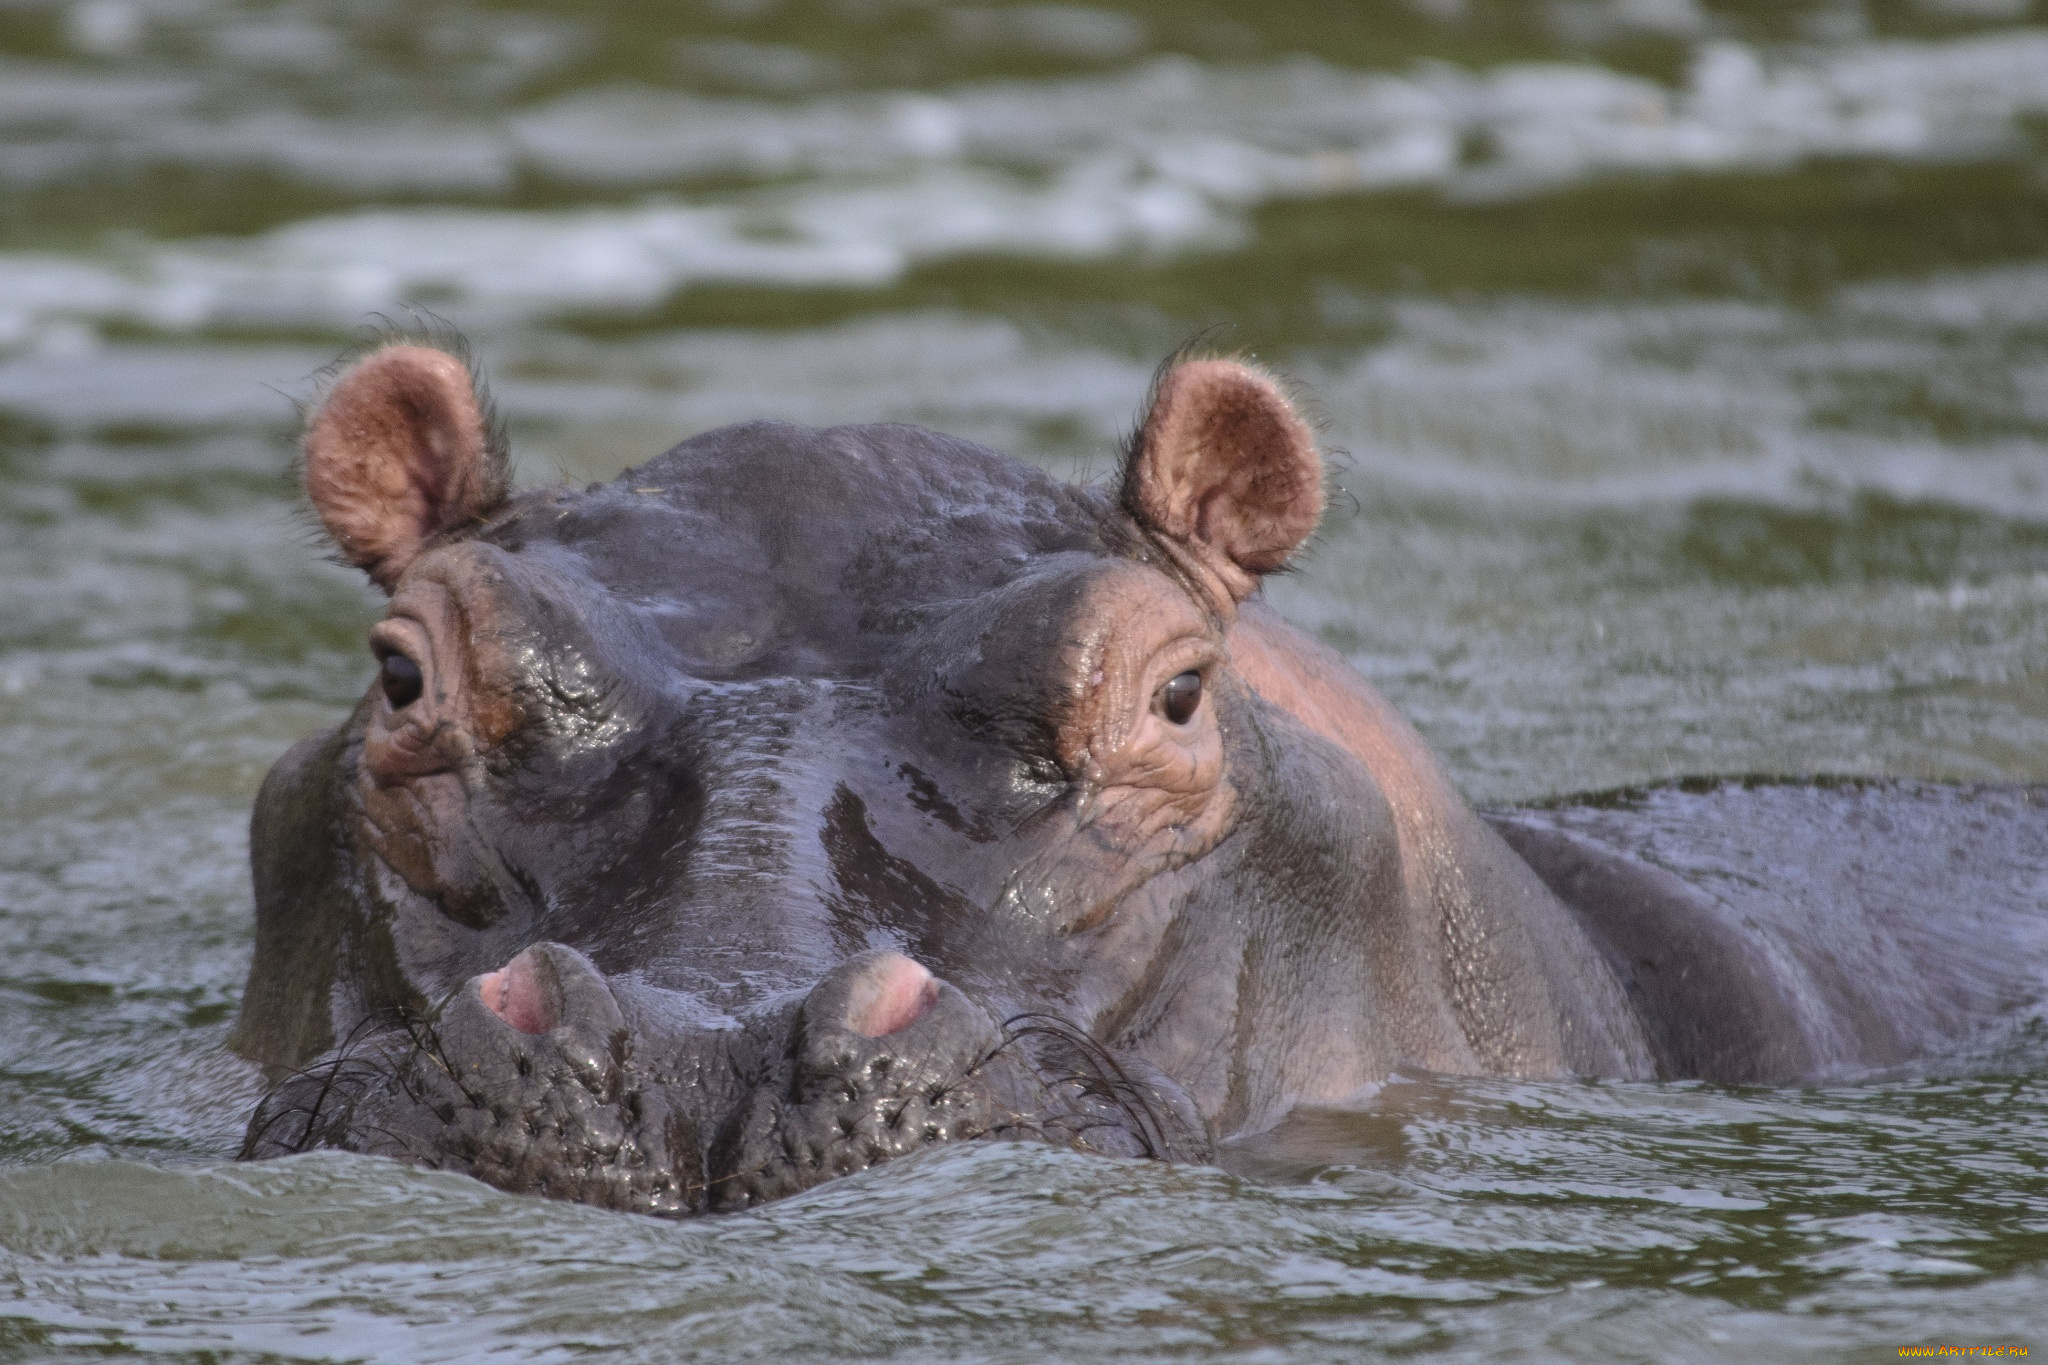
804,798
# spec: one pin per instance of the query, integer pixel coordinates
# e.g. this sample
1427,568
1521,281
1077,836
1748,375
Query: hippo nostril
517,994
890,996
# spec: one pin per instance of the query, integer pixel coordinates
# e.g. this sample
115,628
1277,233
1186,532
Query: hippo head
803,798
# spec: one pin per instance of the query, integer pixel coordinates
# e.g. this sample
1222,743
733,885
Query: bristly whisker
1101,1076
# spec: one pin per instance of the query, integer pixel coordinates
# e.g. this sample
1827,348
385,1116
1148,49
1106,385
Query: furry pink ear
399,452
1226,472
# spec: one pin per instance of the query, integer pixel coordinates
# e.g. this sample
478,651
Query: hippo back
1769,930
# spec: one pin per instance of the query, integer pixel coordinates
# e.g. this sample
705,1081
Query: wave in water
1167,157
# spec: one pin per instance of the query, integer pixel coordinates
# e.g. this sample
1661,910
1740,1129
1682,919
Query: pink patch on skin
893,995
515,994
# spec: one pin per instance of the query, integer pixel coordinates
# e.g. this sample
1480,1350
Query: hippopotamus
804,798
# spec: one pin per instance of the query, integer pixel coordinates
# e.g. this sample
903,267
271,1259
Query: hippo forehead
773,547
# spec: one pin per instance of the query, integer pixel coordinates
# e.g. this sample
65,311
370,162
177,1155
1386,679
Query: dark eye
1180,696
401,681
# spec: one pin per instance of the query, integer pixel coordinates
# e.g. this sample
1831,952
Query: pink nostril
515,994
892,996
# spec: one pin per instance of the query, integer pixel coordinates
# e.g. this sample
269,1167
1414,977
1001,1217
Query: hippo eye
401,680
1179,697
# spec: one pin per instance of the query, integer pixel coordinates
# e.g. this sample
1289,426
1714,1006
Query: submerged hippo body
807,797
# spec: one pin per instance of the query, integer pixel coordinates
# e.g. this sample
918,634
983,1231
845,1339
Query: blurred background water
1687,365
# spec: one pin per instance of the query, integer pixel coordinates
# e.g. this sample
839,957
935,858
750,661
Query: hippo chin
804,798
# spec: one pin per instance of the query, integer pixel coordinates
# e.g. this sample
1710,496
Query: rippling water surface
1688,365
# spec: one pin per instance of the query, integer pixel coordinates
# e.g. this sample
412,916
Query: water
1688,365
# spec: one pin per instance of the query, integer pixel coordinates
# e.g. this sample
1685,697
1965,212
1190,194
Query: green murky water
1689,368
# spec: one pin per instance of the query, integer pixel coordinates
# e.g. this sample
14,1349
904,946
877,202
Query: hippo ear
400,451
1226,471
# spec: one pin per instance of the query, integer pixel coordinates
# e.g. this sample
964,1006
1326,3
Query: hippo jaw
531,1079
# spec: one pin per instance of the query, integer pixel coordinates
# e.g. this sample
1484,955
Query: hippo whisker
326,1074
1102,1077
420,1028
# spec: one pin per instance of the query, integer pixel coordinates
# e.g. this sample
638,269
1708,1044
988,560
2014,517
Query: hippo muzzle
532,1079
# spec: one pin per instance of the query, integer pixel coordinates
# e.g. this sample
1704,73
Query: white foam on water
1999,298
80,101
1558,402
1295,126
163,387
1076,32
419,153
1672,401
495,267
1166,157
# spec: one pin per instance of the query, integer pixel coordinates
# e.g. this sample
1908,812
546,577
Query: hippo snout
533,1079
525,1078
883,1059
